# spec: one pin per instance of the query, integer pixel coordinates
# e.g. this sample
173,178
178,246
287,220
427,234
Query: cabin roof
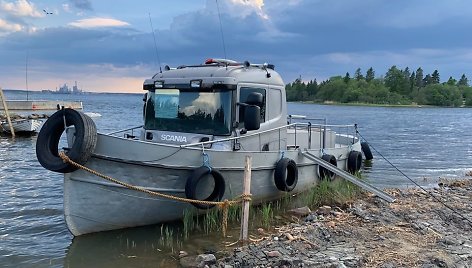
219,73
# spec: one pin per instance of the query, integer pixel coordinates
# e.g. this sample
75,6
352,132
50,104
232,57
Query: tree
451,81
427,80
412,80
396,81
435,77
370,75
347,78
463,81
358,75
419,78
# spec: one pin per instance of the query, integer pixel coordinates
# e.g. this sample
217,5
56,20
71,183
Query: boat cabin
216,100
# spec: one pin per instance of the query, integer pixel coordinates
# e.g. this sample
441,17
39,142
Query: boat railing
126,135
347,131
345,135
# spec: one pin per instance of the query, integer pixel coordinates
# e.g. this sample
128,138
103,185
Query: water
426,143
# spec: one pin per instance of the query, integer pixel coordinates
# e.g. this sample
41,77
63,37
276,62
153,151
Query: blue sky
108,46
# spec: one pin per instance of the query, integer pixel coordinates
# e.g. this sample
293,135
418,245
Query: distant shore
373,104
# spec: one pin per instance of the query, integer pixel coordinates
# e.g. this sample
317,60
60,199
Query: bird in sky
47,13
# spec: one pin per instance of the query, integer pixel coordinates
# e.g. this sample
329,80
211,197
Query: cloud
82,4
246,7
7,27
66,8
98,23
20,8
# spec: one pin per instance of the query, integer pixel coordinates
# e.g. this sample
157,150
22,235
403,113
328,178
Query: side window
244,92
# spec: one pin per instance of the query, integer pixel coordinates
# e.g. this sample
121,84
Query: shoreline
414,231
374,104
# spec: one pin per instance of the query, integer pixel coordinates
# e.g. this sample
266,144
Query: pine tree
419,78
463,81
412,80
358,75
370,75
347,78
451,81
435,77
427,80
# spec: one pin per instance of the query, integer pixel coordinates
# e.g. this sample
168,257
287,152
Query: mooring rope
414,182
224,205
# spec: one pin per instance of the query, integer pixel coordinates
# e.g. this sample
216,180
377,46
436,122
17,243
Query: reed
338,192
211,220
188,223
167,236
267,213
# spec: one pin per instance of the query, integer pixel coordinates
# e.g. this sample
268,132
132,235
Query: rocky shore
415,231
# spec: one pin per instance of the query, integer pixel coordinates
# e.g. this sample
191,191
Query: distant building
66,90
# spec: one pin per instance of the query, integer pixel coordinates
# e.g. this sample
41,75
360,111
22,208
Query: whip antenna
155,44
221,29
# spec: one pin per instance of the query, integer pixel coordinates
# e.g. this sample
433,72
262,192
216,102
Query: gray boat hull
92,204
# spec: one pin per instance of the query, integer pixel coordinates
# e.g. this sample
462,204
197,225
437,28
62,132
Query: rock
205,259
183,254
300,212
311,217
276,238
272,254
188,262
324,210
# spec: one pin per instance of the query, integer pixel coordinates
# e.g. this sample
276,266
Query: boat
200,123
22,125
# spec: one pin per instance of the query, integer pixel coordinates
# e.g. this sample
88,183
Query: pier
41,105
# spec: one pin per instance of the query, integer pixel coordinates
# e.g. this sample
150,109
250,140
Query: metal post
245,206
6,112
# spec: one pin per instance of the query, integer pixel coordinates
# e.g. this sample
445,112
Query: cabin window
183,110
243,93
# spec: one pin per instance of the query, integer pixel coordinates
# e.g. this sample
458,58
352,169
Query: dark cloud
308,38
82,4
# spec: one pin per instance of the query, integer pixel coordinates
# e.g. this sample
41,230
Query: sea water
425,143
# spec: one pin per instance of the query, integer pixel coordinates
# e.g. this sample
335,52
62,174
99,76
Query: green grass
267,213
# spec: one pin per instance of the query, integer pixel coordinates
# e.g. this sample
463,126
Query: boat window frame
186,88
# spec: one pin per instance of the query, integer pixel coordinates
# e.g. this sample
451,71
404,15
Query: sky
108,45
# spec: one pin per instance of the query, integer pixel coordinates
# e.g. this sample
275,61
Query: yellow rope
223,205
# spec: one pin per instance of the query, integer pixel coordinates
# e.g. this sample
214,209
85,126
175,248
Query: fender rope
222,205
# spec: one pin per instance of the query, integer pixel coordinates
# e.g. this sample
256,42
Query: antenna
221,28
155,44
27,91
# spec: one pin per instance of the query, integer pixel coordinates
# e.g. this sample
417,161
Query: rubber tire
366,150
324,173
85,141
354,161
194,179
286,175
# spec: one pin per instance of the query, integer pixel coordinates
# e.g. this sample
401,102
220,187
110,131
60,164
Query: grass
339,192
267,213
333,193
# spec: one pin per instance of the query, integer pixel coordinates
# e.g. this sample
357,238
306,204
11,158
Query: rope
222,205
415,183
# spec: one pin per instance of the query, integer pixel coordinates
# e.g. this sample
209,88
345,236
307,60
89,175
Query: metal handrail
309,127
123,130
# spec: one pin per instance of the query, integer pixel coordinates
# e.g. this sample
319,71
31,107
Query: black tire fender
194,179
325,173
354,161
47,143
286,174
366,150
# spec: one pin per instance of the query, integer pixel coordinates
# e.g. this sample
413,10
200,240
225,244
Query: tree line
403,87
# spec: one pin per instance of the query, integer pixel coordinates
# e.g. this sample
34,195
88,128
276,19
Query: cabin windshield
190,111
